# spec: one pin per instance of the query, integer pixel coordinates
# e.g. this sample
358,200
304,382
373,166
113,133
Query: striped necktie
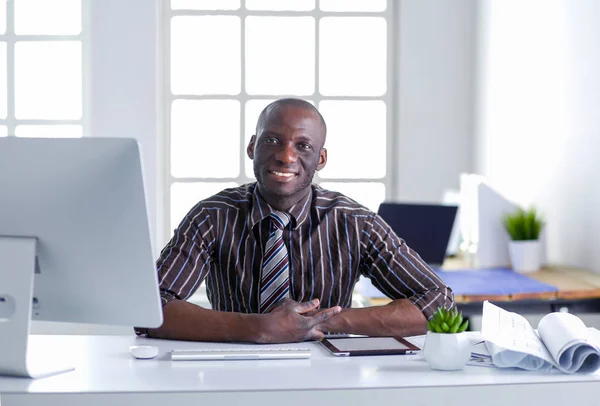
275,281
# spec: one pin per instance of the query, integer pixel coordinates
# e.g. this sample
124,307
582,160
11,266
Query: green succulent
447,321
523,225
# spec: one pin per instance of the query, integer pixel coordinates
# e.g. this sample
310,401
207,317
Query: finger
306,307
311,313
317,334
325,314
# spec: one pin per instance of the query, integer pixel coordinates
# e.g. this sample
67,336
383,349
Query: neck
282,203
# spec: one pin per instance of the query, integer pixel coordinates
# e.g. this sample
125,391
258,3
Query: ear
250,148
322,159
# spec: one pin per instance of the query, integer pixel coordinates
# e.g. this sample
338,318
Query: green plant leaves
447,321
523,225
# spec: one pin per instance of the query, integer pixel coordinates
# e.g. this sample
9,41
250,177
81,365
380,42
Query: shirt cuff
429,302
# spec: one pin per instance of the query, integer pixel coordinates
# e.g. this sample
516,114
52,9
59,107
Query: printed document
562,340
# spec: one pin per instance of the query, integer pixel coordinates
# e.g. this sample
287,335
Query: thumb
306,307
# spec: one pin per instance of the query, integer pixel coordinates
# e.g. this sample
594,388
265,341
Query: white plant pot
447,352
525,256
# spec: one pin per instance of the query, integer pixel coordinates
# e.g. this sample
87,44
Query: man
281,256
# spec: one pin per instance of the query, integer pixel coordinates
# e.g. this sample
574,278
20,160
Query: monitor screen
83,202
425,228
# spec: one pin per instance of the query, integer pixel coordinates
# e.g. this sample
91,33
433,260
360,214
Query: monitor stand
17,356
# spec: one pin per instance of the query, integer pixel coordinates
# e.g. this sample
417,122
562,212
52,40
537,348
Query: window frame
10,38
390,97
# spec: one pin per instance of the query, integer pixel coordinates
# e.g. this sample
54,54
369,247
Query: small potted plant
524,228
447,347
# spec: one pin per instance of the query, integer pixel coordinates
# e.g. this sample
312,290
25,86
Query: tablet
356,346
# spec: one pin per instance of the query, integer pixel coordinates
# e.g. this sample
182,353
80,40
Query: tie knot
280,219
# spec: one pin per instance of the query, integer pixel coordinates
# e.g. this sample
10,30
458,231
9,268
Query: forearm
397,318
186,321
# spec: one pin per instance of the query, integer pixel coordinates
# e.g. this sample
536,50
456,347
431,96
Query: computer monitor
426,228
482,210
74,243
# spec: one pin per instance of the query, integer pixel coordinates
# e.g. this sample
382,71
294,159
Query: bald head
270,112
286,150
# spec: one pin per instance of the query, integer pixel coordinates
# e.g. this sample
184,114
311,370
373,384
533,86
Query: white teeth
283,174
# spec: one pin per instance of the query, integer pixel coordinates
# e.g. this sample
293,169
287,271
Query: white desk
106,374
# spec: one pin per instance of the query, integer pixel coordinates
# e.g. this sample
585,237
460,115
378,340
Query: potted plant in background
447,346
524,228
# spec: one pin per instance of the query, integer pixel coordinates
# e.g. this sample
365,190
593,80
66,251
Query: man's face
286,153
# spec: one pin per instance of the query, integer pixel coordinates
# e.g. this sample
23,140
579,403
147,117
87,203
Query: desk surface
105,367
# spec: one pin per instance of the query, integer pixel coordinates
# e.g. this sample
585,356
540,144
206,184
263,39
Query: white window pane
45,17
356,139
2,17
184,196
48,80
205,4
353,55
253,109
280,5
205,138
3,82
3,131
205,55
353,5
280,55
49,131
368,194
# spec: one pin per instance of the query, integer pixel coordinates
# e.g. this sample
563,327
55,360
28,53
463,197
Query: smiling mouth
285,175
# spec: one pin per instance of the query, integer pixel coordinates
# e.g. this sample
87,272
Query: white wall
124,85
436,51
538,127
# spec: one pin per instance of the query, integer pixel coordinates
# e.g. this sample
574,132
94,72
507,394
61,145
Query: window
41,68
227,59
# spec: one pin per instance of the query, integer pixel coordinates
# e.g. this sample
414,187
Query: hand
323,327
288,321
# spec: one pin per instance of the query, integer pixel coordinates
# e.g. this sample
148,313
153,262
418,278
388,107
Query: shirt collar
261,209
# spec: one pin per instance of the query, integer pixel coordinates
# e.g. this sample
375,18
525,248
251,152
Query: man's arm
286,323
402,275
398,318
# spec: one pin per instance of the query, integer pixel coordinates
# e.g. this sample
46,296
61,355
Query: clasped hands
291,321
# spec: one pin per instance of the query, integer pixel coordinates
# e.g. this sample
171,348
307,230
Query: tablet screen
368,343
368,346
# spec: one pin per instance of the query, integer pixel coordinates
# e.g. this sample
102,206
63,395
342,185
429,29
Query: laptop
426,228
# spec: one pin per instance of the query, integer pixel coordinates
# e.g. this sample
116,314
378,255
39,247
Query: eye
271,141
306,146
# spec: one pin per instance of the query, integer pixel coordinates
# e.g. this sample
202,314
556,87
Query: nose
287,154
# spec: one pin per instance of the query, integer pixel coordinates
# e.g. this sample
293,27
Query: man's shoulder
239,197
324,199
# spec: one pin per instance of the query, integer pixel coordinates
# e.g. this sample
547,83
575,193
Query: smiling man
281,256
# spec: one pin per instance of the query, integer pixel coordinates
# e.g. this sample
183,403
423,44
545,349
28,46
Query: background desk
106,374
578,292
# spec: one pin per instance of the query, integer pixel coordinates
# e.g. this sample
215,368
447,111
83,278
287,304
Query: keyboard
222,354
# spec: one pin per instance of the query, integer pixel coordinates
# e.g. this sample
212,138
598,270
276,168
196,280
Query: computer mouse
143,351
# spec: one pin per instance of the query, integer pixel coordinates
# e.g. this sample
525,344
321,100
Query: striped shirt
331,241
